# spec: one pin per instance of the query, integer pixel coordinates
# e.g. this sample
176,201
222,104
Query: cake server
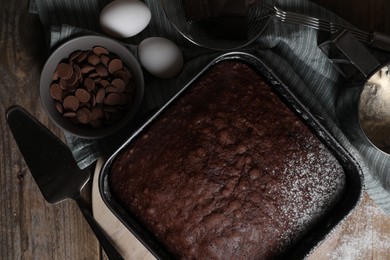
53,167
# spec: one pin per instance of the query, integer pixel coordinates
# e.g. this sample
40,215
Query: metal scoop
53,167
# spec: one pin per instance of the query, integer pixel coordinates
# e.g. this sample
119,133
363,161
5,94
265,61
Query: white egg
124,18
160,56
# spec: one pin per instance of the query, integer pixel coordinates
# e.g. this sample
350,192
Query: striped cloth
291,51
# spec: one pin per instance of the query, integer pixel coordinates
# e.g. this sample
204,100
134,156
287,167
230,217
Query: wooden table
34,229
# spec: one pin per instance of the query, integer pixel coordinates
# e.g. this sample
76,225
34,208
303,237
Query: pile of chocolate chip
92,87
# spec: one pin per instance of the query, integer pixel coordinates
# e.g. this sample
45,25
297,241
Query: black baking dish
350,198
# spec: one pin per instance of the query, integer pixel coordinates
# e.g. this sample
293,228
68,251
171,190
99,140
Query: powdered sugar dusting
312,184
359,242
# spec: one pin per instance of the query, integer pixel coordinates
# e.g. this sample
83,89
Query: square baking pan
350,197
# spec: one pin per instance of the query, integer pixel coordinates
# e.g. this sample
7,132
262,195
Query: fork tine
318,24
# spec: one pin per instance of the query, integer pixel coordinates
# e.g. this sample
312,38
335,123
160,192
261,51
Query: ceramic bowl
88,43
259,16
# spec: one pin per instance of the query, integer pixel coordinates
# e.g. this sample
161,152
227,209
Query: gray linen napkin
289,50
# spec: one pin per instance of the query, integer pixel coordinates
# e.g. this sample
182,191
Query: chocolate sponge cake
227,171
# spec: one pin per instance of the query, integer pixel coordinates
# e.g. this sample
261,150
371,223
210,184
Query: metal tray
351,196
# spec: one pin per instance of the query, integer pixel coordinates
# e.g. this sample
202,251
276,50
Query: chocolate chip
102,70
96,113
72,88
64,70
104,83
74,55
59,107
111,89
100,94
119,84
93,101
82,95
56,91
63,84
93,75
73,78
122,74
84,115
85,105
71,103
77,70
93,59
112,99
69,114
89,84
105,60
87,68
98,50
55,75
115,65
111,109
83,55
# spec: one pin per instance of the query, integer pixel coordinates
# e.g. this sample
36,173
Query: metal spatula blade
48,158
53,167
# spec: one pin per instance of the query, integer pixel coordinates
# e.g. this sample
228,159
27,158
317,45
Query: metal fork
375,39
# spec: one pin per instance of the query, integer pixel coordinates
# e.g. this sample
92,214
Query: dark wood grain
30,227
33,229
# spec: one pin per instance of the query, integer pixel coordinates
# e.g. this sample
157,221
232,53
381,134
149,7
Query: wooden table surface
34,229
